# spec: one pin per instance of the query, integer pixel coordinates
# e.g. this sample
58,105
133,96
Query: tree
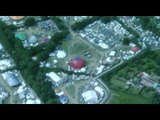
126,41
30,21
51,101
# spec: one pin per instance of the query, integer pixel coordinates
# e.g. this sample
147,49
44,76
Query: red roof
77,63
135,49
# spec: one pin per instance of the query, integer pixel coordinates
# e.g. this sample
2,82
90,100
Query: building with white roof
112,53
90,97
55,78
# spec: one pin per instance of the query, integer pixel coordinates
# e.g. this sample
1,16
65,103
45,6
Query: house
147,81
55,78
90,97
11,79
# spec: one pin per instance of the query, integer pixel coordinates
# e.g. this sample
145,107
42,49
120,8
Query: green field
71,91
122,97
76,47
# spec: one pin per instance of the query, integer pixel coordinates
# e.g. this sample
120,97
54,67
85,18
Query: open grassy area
122,97
71,91
75,47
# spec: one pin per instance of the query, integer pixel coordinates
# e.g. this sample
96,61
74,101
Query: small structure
61,54
99,90
21,36
11,79
90,97
77,63
55,78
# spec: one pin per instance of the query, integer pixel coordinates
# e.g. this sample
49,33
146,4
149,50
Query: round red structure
135,49
77,63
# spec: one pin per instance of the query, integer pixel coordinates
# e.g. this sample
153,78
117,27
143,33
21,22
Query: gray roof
32,39
11,79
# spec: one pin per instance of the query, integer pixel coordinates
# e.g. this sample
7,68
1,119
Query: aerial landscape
79,59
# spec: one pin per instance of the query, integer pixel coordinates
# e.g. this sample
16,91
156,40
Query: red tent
77,63
135,49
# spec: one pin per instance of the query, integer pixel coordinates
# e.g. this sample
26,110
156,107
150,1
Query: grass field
71,91
122,97
76,47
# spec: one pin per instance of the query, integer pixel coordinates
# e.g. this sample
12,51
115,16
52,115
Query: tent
11,79
21,36
77,63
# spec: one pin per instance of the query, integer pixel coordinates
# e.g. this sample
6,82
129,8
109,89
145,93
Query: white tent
61,54
112,53
103,45
90,97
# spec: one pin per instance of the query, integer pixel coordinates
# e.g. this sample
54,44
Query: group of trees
148,23
60,23
30,21
127,40
107,19
82,24
29,69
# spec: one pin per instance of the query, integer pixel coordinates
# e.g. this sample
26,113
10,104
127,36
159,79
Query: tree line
29,69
